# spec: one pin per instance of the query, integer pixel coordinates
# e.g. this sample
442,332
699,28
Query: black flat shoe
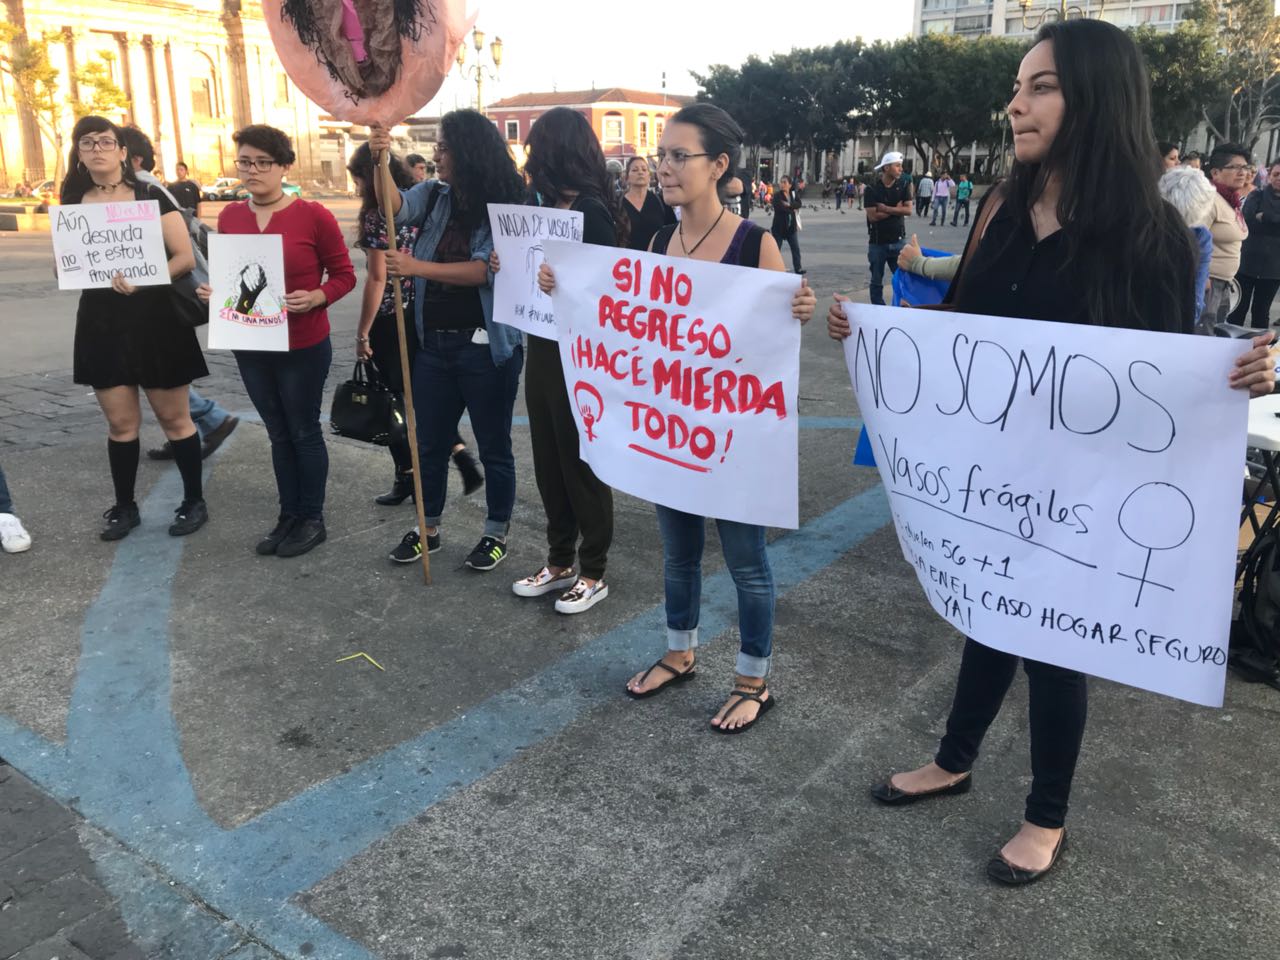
268,545
1002,871
120,520
306,535
189,518
401,490
891,796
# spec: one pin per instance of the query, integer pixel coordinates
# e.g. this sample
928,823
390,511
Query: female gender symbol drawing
1156,516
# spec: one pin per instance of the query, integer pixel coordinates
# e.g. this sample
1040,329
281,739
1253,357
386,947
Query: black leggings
1059,706
794,242
1261,291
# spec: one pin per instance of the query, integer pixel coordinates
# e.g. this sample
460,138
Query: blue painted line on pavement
123,759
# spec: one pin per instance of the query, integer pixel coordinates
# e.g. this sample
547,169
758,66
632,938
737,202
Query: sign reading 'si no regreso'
92,242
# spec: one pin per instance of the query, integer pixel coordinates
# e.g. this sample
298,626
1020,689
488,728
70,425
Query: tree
1248,35
29,66
1187,73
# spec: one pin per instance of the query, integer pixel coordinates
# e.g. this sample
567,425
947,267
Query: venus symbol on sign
1155,516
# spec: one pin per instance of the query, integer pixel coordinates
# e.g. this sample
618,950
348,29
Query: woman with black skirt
129,338
1070,242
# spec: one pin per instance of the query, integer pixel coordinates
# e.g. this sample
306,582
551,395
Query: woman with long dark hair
376,336
129,338
1069,240
286,387
566,170
465,360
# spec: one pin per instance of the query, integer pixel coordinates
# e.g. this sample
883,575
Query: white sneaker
13,536
581,598
542,582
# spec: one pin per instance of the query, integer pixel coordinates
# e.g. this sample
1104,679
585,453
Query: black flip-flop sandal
743,696
676,677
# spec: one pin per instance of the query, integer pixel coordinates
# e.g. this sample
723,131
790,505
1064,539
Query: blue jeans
939,207
683,538
450,374
286,389
6,501
206,413
878,254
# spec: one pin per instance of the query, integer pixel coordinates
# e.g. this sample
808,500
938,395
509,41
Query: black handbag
366,409
190,310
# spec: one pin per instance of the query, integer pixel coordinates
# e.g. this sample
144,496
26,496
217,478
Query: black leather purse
190,310
366,409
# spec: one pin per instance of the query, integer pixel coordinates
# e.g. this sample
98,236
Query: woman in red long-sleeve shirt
286,388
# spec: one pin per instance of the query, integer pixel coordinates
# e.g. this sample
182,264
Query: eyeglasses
244,166
1236,166
105,144
677,158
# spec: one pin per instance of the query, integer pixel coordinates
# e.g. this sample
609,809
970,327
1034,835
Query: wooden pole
410,421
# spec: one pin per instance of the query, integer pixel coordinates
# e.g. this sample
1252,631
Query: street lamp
1059,11
480,69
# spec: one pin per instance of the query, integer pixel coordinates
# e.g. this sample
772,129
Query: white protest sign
519,236
683,377
1066,493
246,311
92,242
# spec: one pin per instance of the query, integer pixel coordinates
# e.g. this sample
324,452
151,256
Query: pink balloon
424,64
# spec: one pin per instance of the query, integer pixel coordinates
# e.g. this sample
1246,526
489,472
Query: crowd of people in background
1030,254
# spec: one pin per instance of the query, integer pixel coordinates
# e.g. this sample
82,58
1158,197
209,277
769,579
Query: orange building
628,122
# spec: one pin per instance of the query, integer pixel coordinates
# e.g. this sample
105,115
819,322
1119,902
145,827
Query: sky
571,44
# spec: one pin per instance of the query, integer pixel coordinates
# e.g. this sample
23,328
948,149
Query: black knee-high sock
123,457
187,455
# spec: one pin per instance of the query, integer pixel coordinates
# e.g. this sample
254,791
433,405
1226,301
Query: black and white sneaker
409,549
489,552
189,518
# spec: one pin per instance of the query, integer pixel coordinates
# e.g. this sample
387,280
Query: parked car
220,189
241,192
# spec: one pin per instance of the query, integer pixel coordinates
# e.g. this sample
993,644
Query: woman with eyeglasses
1229,171
699,152
128,337
466,361
644,210
566,169
286,387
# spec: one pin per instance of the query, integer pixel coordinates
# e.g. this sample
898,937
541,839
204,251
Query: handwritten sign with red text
683,377
1066,493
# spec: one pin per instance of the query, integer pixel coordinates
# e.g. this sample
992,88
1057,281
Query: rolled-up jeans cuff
497,529
682,639
749,666
432,521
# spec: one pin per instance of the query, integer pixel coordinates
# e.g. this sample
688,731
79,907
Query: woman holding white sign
128,337
1069,240
286,386
699,152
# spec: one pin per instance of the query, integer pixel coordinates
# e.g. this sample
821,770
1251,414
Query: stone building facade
192,72
628,122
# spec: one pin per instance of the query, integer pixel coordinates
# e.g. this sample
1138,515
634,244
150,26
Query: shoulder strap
987,208
662,239
431,205
749,256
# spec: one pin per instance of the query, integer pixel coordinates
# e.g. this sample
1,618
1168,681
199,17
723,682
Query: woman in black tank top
699,152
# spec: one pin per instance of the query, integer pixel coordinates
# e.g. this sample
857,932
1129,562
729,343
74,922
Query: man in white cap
887,203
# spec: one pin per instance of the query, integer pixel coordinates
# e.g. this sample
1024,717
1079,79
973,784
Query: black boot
400,491
472,478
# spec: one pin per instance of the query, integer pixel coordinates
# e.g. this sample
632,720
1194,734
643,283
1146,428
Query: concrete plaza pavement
190,760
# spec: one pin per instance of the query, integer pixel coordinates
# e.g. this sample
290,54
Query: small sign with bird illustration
246,311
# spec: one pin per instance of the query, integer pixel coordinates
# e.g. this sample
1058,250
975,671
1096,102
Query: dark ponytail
720,134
